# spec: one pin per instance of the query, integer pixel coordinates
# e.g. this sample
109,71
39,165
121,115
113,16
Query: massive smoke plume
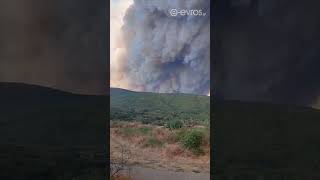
55,43
267,50
163,53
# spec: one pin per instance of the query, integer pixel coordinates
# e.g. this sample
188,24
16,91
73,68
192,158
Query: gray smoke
54,43
167,53
267,50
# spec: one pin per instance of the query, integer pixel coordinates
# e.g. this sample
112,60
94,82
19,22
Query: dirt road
140,173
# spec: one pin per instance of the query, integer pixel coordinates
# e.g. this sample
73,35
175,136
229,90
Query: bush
174,124
193,140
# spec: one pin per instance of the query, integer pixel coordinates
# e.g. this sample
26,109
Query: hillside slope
158,107
269,140
50,134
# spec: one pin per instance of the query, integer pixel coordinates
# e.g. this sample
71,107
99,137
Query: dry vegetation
159,147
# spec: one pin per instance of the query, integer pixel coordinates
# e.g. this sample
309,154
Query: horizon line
50,87
158,92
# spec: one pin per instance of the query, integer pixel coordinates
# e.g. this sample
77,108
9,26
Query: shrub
174,124
193,140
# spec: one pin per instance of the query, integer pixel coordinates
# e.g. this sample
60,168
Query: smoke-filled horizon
155,52
54,43
267,51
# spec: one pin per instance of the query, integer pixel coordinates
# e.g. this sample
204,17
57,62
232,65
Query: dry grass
161,133
174,150
170,155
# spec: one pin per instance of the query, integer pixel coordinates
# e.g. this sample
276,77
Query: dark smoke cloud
267,50
165,53
55,43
